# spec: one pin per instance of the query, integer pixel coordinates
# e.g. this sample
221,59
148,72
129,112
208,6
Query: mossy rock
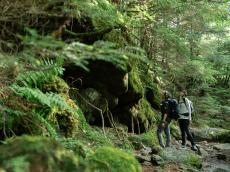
66,122
146,113
148,139
135,89
107,65
55,85
93,136
211,134
113,159
39,114
182,156
78,146
152,94
35,154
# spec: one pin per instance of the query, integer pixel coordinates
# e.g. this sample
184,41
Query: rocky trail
210,157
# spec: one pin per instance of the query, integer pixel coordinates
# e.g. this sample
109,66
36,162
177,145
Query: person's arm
166,111
164,117
188,102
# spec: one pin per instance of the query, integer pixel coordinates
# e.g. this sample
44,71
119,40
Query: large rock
36,154
211,134
157,160
107,68
182,156
223,151
135,89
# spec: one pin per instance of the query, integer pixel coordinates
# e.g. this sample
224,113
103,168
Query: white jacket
189,106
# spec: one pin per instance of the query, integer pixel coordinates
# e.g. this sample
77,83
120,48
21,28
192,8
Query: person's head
167,95
183,93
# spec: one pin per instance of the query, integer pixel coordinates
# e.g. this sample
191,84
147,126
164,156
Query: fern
50,100
13,120
52,132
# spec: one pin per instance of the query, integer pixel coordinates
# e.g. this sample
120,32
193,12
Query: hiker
169,111
185,117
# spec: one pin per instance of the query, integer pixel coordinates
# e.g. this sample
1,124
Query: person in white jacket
185,113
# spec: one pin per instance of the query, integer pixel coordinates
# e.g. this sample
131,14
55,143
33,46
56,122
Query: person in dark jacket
165,123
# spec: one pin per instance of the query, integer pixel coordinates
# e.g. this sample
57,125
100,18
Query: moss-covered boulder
135,89
56,85
106,67
153,96
30,111
148,139
65,121
36,154
211,134
113,159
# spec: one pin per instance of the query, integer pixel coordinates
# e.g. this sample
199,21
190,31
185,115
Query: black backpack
170,107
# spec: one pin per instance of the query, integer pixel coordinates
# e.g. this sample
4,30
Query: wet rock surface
210,157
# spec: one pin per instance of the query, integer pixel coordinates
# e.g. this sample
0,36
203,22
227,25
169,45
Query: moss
56,85
113,159
193,160
37,154
78,146
135,84
211,134
153,95
94,136
66,122
59,114
146,113
182,156
223,137
148,139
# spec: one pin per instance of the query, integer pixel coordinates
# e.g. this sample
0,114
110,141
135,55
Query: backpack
170,107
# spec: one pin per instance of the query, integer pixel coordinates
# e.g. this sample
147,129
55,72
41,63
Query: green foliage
37,153
105,51
95,137
18,164
148,139
113,159
193,160
52,107
146,113
195,75
78,146
102,13
135,83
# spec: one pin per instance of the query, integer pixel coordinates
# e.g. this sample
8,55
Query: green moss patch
113,159
37,154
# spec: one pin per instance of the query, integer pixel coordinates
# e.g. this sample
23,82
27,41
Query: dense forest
82,81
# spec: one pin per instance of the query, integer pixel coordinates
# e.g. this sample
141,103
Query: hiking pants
166,129
184,128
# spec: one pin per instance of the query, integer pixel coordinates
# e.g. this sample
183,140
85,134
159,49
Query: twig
101,112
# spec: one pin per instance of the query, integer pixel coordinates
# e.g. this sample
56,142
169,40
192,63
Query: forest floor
214,156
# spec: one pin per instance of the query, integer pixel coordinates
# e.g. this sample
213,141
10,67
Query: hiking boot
183,146
194,148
